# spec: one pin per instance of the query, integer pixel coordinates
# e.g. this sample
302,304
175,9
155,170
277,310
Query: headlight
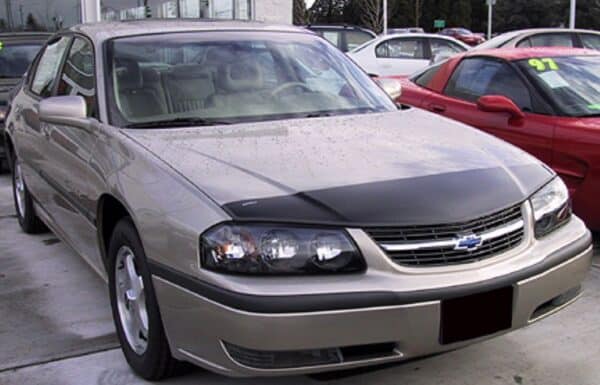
551,207
272,249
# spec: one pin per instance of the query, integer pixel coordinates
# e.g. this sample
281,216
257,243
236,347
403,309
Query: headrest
129,75
245,75
150,76
217,56
189,79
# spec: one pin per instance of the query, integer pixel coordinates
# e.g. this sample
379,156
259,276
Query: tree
372,14
300,12
328,11
31,24
520,14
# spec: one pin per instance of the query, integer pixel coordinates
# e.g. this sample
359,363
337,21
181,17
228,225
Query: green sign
439,24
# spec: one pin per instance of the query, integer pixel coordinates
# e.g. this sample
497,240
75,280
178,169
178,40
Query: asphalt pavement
56,329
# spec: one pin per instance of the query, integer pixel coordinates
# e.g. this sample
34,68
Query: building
52,15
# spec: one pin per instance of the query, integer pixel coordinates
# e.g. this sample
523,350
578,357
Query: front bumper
202,320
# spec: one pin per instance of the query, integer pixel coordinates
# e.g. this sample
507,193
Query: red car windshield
15,58
573,82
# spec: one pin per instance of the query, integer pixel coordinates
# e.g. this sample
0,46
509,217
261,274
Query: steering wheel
288,85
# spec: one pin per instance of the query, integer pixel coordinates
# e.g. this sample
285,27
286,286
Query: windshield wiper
317,115
179,122
322,114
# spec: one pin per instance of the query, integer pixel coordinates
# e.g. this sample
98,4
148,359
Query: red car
464,35
543,100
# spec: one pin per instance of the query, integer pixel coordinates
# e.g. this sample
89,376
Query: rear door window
401,48
356,38
550,40
425,78
334,37
48,67
590,41
445,48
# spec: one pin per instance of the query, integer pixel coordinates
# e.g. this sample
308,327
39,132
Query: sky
309,3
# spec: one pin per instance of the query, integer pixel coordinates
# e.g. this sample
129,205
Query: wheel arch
110,210
9,148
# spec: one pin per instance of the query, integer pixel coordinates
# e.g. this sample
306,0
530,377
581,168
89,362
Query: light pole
385,17
572,14
490,4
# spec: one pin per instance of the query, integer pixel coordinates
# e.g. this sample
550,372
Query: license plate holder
476,315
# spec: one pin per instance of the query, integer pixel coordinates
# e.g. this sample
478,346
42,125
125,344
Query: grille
438,245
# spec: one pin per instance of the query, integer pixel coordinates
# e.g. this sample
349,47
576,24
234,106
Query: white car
404,54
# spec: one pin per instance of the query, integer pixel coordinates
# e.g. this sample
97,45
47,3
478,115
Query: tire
4,166
28,220
142,339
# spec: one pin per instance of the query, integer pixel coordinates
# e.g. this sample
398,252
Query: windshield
15,58
229,77
572,81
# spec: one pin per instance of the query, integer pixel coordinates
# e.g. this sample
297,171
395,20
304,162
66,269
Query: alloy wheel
19,189
131,300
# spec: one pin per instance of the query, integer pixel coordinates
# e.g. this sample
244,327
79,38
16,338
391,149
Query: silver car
545,37
259,206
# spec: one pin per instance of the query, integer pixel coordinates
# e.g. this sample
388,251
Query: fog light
263,359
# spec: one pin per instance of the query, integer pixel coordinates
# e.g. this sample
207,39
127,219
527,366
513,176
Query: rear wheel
3,166
134,306
28,220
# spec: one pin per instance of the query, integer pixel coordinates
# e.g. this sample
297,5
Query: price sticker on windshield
543,64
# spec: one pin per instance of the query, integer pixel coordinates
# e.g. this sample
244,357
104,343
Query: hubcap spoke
19,190
131,301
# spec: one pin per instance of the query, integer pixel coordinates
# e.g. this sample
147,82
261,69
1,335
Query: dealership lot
56,328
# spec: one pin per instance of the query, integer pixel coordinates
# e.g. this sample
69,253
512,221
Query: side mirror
65,110
392,87
499,103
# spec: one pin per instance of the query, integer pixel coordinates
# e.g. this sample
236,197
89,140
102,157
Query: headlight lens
272,249
551,207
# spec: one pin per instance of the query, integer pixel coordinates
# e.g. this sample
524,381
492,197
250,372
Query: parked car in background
395,31
404,54
253,220
545,37
464,35
345,37
17,51
543,100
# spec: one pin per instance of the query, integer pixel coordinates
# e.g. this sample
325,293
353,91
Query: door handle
45,131
437,108
18,113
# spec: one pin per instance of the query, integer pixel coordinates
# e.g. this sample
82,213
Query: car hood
405,167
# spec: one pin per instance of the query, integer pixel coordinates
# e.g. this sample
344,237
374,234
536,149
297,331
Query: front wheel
134,306
28,220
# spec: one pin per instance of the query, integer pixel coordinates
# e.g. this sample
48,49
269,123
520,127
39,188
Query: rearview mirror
65,110
392,87
499,103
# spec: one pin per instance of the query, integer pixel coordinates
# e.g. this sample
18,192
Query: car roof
339,27
416,34
526,53
21,36
546,30
113,29
507,37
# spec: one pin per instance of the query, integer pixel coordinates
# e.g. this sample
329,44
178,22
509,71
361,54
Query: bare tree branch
372,14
